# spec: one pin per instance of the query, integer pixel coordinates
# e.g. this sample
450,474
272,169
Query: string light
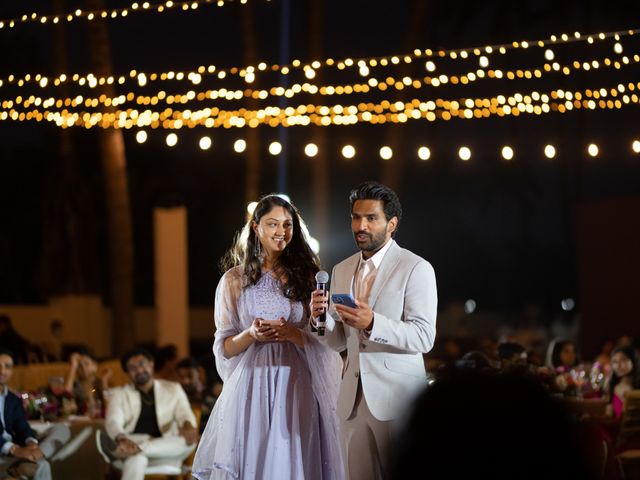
635,146
141,136
205,143
172,139
348,151
507,152
275,148
195,76
239,146
464,153
112,13
311,150
549,151
536,103
424,153
593,150
386,153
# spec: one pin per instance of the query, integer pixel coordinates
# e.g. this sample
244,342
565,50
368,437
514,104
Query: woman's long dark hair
297,264
631,354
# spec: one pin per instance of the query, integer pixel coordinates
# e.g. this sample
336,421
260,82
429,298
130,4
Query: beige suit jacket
389,361
172,408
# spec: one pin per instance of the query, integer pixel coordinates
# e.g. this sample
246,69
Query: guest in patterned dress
276,415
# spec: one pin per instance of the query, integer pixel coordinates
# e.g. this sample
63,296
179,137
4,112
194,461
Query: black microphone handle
322,319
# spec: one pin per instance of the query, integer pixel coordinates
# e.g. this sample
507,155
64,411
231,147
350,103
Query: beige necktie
364,280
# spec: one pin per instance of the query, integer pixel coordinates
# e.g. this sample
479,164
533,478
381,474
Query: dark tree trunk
114,164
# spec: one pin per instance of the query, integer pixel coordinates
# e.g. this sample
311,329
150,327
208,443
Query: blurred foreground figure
23,454
475,424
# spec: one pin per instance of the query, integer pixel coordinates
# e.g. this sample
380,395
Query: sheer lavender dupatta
221,446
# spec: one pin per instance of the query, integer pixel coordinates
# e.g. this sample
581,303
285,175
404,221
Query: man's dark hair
7,352
134,352
377,191
506,350
188,362
83,350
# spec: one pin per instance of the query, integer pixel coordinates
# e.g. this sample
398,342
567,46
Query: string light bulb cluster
348,152
363,65
110,13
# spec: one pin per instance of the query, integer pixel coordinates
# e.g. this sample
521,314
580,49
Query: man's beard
141,379
374,243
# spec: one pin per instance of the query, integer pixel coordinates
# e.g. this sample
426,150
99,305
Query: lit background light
507,152
314,244
275,148
239,145
205,143
470,306
311,150
386,153
550,151
172,139
251,207
635,146
424,153
464,153
593,150
348,151
141,136
568,304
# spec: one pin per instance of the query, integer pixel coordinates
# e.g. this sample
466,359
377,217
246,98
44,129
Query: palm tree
114,165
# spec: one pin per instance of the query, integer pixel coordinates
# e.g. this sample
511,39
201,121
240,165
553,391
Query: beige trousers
366,442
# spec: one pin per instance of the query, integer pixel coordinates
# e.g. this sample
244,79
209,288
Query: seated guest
475,360
84,384
189,375
148,422
562,355
625,377
23,455
512,357
563,361
52,347
166,359
193,379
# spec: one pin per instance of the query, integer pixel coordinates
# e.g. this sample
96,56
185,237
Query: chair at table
151,472
628,440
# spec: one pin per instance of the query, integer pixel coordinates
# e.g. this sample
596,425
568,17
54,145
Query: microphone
322,278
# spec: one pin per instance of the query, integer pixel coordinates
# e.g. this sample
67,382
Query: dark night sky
500,232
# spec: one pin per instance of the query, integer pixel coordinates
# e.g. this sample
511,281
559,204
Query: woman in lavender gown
275,418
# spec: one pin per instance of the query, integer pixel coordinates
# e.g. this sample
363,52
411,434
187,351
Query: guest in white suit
385,336
150,420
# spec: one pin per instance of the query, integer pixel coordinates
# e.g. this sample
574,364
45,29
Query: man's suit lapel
134,403
387,266
159,393
346,281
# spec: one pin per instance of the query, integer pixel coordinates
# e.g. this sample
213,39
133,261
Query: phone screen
344,299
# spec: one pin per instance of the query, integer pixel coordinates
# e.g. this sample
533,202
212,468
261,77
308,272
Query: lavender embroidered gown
275,418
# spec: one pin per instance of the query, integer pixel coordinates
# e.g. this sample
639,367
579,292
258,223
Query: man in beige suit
150,420
385,336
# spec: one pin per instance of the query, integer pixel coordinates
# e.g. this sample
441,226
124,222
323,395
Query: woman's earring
258,248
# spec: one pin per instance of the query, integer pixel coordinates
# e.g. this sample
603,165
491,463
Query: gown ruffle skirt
275,418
